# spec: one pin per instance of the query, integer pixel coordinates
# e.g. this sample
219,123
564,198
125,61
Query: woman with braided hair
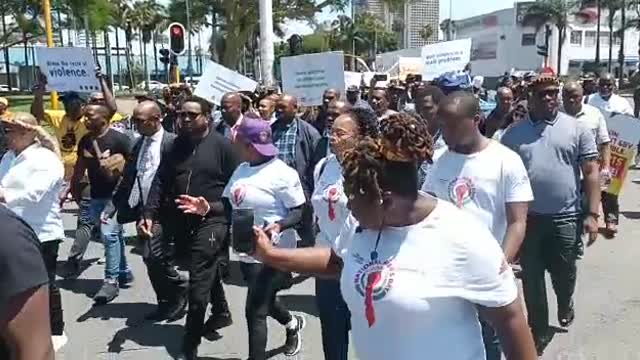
416,270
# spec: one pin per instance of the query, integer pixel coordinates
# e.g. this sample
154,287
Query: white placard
445,57
68,69
352,78
308,76
218,80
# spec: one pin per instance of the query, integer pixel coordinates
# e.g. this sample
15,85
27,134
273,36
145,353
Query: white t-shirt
615,104
329,201
270,189
482,183
593,119
426,282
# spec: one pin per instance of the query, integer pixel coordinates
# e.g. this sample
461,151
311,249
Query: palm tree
146,16
555,12
612,7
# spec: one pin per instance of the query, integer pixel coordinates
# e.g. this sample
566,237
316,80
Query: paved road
607,324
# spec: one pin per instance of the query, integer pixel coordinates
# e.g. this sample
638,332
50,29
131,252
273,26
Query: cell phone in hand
242,239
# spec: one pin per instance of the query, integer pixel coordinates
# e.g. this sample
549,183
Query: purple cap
258,133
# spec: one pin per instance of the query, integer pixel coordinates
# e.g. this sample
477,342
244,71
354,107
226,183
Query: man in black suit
132,194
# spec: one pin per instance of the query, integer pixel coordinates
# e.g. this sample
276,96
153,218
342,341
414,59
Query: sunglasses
190,114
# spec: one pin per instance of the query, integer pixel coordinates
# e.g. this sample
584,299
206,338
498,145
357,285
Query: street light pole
46,8
266,42
190,64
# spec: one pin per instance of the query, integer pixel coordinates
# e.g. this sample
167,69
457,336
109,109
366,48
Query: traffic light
543,50
176,38
164,56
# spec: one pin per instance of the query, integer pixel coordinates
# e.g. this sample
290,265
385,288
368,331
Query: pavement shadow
300,303
84,265
149,335
87,287
633,215
133,312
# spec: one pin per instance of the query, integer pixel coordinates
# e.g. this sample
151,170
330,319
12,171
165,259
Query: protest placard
445,57
624,131
218,80
68,69
409,66
308,76
352,78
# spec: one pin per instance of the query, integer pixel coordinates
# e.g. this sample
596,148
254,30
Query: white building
411,18
501,43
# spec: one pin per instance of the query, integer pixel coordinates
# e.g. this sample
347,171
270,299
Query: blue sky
461,9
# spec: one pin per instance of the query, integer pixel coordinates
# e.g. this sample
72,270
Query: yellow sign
624,131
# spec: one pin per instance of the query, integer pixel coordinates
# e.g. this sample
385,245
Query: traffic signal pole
176,47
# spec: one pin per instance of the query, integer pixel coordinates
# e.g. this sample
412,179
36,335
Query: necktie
143,165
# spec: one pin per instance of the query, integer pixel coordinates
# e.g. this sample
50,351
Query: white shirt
427,280
329,201
615,104
270,189
593,119
481,183
147,166
32,182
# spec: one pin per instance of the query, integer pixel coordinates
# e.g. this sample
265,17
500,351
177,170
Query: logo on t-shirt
374,281
238,194
332,196
461,191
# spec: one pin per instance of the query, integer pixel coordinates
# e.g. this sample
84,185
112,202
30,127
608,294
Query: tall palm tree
556,13
426,32
146,16
612,7
121,11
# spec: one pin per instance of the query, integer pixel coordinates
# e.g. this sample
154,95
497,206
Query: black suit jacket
121,197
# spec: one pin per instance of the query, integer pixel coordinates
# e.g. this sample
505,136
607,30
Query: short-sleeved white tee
329,201
418,299
615,104
482,183
270,189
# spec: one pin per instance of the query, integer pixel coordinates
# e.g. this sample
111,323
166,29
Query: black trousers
549,245
50,255
263,282
610,207
165,279
306,228
205,245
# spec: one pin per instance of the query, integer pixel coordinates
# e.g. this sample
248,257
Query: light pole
266,42
190,62
46,8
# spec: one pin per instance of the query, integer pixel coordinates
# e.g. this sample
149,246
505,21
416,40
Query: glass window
604,38
589,38
575,38
528,39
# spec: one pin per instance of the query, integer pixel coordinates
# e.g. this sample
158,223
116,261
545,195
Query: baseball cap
258,133
353,88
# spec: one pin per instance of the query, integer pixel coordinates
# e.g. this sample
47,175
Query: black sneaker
293,344
542,341
125,279
107,293
566,315
215,323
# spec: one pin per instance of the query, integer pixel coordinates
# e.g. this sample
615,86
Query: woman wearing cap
412,276
266,185
330,208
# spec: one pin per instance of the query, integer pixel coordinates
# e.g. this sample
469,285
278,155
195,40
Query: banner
308,76
624,131
68,69
445,57
218,80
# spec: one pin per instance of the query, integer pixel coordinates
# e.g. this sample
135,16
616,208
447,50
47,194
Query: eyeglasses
190,114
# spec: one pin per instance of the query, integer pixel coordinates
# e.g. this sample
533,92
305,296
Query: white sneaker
59,341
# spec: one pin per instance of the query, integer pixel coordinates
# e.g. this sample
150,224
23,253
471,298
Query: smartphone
242,238
380,77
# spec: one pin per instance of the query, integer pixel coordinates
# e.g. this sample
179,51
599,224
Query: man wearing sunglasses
188,187
554,148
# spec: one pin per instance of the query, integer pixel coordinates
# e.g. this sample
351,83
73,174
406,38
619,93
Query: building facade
501,42
408,21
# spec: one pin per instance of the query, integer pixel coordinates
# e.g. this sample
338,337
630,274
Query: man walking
497,117
297,142
102,153
483,177
554,149
189,183
231,111
129,200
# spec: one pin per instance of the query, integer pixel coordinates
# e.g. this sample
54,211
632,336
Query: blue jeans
334,319
491,343
113,239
